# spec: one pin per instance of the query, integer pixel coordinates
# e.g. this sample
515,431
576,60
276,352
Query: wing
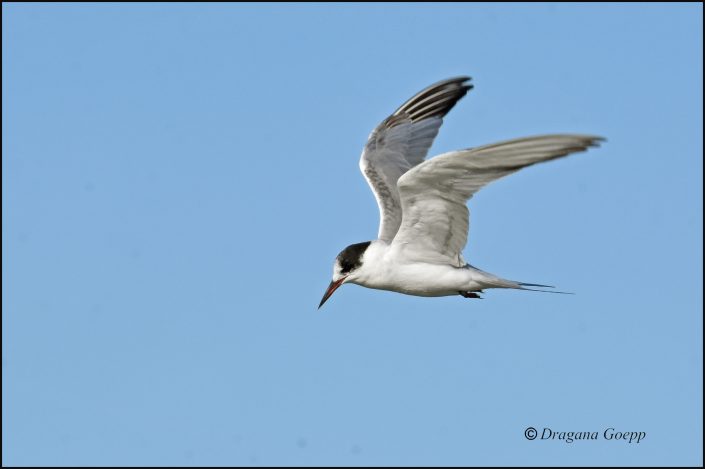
401,142
434,194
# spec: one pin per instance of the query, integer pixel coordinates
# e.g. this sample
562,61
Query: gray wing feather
434,194
401,142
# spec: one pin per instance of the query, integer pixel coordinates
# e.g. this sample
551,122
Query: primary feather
401,141
434,194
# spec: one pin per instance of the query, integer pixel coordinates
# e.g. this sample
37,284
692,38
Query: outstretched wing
401,142
434,194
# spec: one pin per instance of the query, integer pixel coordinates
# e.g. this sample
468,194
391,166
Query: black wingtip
436,100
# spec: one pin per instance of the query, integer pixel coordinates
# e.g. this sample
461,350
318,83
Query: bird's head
345,267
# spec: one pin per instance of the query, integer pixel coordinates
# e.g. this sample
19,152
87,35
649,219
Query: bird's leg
470,294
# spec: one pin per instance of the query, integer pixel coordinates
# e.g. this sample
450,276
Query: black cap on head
350,258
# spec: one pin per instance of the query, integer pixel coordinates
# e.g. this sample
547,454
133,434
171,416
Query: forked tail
522,286
492,281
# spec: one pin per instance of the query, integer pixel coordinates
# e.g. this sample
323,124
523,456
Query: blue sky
177,180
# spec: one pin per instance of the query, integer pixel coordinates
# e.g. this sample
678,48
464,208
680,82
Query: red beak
331,288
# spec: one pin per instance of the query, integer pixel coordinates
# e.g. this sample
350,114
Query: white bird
422,204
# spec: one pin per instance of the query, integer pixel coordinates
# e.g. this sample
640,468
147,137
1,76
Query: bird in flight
424,218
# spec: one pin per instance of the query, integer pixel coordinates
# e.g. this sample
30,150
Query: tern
424,218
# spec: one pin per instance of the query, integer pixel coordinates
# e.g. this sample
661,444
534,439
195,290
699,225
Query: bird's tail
522,286
492,281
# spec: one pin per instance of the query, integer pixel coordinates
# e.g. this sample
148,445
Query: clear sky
177,180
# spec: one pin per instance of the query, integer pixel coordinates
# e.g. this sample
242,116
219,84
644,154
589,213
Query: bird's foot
470,294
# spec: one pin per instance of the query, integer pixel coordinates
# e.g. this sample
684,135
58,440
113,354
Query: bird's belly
424,280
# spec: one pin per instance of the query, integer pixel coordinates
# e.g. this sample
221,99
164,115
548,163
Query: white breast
383,270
